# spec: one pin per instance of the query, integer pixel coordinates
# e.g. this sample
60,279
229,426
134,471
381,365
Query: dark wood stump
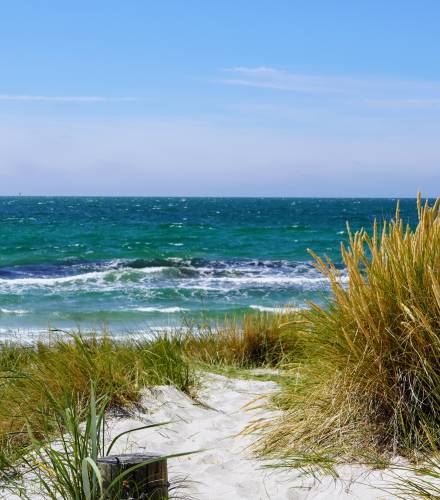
149,481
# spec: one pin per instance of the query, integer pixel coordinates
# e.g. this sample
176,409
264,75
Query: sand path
227,470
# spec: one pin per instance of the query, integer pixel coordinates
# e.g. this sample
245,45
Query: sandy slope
227,470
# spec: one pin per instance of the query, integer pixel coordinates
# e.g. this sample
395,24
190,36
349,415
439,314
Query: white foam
211,283
30,336
53,281
282,310
92,276
147,270
166,310
3,310
274,279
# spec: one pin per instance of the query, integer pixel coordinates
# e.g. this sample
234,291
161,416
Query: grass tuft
64,464
369,378
258,340
65,368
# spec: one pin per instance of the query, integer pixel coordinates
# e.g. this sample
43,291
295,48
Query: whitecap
166,310
282,310
94,275
298,280
3,310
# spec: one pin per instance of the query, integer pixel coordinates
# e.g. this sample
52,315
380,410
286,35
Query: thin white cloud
392,91
65,98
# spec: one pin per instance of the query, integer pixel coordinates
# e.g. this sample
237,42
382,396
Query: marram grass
65,368
258,340
369,379
49,393
63,462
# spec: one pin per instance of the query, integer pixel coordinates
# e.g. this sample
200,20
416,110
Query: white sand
227,470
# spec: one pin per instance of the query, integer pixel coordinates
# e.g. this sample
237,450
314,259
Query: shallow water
134,263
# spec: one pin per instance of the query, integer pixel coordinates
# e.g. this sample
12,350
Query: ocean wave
165,310
275,279
71,266
282,310
91,276
163,273
270,281
18,312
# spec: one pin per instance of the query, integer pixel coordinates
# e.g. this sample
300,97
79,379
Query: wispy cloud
384,91
63,98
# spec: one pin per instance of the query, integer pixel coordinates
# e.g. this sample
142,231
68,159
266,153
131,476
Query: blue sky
294,98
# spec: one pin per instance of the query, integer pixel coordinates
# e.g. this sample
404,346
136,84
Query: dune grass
65,368
256,340
369,378
63,462
46,396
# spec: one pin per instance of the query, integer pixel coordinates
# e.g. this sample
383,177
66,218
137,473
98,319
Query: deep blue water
134,263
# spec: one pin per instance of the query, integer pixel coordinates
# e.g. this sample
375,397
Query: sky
221,98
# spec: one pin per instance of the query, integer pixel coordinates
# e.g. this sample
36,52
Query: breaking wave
117,274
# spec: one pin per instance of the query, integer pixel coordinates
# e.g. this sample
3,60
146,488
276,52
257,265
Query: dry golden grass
370,376
257,340
65,369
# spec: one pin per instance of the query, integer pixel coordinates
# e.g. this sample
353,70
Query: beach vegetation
35,381
63,461
256,340
368,380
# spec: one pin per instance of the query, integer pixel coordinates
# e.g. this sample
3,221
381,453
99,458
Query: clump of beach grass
369,379
62,463
256,340
65,368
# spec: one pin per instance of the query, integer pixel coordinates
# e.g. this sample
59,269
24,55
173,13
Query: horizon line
215,196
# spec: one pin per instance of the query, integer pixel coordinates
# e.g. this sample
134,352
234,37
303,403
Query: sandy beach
226,469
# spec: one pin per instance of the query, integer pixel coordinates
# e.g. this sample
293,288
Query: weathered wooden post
149,481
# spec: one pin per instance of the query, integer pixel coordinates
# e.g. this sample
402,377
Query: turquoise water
135,263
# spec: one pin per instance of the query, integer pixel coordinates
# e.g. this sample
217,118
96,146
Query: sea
138,264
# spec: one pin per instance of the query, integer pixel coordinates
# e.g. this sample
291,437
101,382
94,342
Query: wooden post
149,481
